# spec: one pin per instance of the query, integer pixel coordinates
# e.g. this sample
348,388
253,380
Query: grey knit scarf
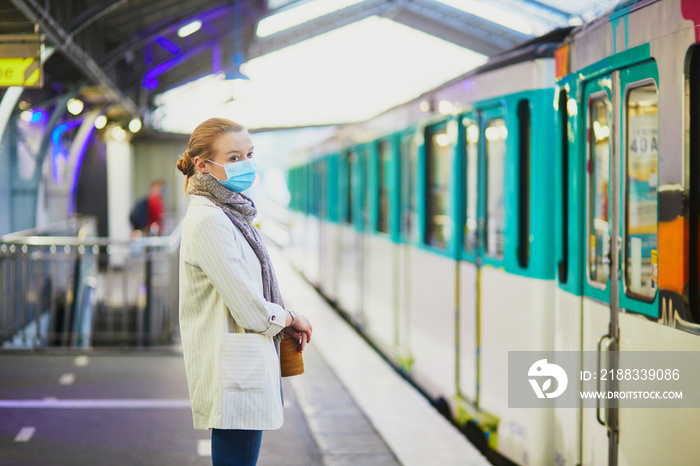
241,210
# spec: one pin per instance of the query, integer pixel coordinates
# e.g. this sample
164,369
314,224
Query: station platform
113,407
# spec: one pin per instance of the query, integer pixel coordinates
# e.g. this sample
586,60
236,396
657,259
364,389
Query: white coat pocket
244,361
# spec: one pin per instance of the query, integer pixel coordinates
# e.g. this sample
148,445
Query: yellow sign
20,72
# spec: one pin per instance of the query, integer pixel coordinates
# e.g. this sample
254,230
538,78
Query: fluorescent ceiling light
75,106
135,125
300,14
492,13
101,121
349,74
190,28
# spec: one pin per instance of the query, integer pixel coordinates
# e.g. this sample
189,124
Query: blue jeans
235,447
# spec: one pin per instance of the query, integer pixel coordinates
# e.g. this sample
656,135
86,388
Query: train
545,201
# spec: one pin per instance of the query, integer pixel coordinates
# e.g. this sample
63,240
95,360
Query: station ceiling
124,52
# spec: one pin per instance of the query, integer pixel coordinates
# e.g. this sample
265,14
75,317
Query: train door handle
598,379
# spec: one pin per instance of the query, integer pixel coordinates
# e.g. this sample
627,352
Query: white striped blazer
233,370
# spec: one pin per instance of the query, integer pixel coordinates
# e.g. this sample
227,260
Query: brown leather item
291,361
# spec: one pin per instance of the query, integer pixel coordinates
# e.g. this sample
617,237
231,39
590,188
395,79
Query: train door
492,305
652,238
408,230
469,266
348,298
622,124
379,261
320,176
314,246
600,290
570,205
363,229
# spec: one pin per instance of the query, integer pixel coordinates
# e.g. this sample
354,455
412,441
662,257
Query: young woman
231,312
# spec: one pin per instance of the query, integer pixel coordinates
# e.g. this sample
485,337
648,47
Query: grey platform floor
111,408
131,408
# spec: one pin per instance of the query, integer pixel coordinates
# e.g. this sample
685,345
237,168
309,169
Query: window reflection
599,178
384,151
496,135
409,160
641,265
471,177
438,165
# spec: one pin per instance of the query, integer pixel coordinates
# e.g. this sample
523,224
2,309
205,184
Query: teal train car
547,201
627,221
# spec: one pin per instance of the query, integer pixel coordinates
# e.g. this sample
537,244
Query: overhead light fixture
299,15
75,106
189,28
372,83
135,125
101,121
118,133
445,107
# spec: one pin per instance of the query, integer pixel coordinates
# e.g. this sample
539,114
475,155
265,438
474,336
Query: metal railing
62,286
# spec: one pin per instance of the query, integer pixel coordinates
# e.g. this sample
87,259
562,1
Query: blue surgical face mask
239,175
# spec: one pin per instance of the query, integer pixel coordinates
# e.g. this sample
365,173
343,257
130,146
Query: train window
384,152
409,160
693,164
304,188
350,158
564,141
524,183
599,180
295,189
322,190
438,225
299,182
472,175
364,184
496,134
641,200
316,189
291,187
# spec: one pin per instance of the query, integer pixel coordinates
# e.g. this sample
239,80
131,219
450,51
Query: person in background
232,316
156,209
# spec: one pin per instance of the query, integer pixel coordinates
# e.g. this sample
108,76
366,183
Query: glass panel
471,177
641,264
599,179
364,180
496,134
384,151
564,141
409,159
438,165
524,183
322,191
350,159
316,189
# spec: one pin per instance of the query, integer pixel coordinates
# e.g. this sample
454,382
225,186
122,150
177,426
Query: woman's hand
301,330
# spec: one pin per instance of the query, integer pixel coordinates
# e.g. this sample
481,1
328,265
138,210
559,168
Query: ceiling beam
318,26
456,26
91,15
429,16
75,54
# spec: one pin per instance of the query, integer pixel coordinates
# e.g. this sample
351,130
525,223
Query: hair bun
185,164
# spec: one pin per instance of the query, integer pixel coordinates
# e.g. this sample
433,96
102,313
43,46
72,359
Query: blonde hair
202,143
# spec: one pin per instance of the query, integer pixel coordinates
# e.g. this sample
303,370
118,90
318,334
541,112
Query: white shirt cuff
277,320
